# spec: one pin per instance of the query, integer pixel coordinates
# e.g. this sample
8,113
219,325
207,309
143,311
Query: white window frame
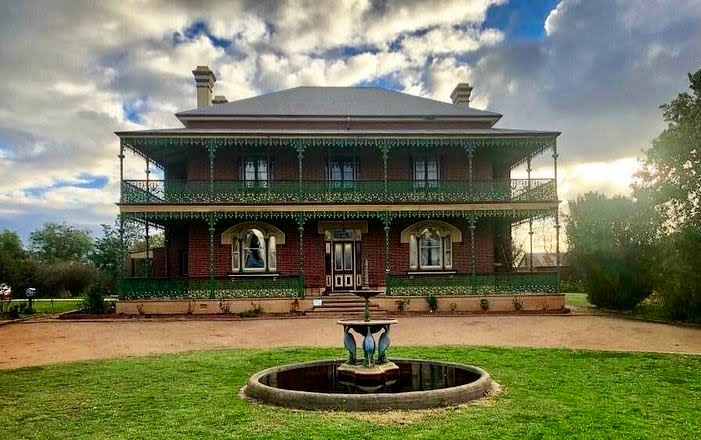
263,251
421,247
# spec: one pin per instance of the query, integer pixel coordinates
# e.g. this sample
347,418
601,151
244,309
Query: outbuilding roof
338,102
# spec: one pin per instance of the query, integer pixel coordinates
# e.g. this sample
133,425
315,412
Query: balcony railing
357,192
461,284
204,288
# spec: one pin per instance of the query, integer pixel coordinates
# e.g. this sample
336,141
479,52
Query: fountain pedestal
382,378
372,374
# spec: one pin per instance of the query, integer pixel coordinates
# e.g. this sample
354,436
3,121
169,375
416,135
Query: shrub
255,310
74,278
432,302
679,279
94,301
613,281
484,304
403,304
611,248
14,311
518,303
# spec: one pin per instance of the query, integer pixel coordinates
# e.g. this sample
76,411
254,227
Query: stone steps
345,305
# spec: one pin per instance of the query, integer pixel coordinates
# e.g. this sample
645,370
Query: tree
56,242
610,246
11,245
670,183
670,180
108,256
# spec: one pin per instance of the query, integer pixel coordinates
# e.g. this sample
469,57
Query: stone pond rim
457,394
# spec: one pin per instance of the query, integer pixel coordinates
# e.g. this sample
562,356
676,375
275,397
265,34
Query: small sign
318,302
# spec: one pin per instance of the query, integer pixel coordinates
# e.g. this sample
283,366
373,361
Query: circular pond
316,386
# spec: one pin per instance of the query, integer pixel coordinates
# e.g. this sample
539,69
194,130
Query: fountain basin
421,384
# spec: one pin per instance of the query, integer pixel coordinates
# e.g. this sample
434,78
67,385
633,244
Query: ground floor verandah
280,256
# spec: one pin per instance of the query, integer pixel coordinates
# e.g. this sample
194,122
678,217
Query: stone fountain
371,375
371,383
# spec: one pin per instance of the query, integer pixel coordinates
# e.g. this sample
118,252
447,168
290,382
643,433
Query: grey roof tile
338,102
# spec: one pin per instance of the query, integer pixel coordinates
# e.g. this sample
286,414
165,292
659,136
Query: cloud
73,75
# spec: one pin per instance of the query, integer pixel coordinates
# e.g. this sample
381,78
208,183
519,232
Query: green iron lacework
148,192
460,284
199,288
536,144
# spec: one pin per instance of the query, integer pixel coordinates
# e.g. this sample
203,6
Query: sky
74,72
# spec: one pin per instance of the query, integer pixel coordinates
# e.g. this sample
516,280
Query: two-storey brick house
318,189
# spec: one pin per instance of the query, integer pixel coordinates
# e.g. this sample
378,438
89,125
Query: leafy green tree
670,182
679,278
108,255
610,246
56,242
11,245
670,179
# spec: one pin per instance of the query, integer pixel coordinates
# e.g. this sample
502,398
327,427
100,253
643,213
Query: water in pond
413,376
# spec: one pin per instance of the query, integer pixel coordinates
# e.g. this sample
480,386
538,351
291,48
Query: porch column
122,256
470,154
557,220
473,266
211,227
148,247
211,151
530,219
121,169
300,157
384,164
300,226
388,243
148,178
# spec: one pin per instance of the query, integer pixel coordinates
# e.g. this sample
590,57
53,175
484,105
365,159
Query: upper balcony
204,192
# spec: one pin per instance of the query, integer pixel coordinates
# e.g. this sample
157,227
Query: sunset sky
72,73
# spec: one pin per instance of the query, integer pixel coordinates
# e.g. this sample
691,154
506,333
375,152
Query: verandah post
211,151
473,278
300,226
388,265
383,147
211,226
122,257
530,219
121,170
557,220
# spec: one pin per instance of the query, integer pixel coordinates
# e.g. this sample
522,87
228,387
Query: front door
343,265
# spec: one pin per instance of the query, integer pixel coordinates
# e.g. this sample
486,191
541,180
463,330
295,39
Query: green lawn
547,394
577,299
45,306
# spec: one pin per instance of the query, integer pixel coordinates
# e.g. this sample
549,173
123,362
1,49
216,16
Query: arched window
431,245
253,246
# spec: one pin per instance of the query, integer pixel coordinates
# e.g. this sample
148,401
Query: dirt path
49,342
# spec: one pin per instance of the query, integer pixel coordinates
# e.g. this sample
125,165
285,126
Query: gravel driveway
52,341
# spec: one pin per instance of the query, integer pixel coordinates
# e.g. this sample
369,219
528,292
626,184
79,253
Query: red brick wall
198,245
227,164
159,262
484,246
373,250
314,254
454,161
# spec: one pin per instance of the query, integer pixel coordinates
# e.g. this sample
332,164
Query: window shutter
235,255
447,252
413,253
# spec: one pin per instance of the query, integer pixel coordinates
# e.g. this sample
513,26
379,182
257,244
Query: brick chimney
204,79
461,94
